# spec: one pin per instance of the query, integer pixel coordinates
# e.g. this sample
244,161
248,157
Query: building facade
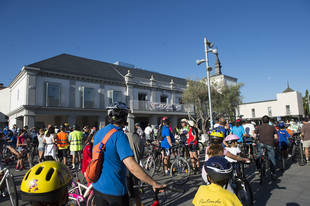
77,90
288,104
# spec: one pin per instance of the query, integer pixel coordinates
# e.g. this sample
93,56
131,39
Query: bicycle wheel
301,156
11,187
180,170
244,193
91,199
148,165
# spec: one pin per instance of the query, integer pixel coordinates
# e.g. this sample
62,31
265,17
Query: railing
160,107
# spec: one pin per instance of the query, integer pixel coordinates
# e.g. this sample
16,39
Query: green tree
224,100
306,103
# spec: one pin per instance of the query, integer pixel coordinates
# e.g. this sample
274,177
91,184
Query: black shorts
107,200
62,153
192,147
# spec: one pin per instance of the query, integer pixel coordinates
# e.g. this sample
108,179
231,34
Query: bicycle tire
91,199
178,167
301,156
148,165
11,187
244,193
262,170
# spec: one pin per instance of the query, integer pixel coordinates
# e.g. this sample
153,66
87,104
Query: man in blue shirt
110,189
238,130
166,143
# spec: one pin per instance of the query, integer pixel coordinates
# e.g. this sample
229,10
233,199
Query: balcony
160,107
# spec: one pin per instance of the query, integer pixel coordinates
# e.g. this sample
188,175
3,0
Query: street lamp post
207,45
209,69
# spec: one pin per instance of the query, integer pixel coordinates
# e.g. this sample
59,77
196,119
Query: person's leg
271,156
73,159
65,156
259,154
195,155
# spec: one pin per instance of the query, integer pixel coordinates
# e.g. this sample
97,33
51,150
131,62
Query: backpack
94,168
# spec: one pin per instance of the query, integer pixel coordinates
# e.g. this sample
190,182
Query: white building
288,104
76,90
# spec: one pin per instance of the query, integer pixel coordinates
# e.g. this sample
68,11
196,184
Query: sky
263,43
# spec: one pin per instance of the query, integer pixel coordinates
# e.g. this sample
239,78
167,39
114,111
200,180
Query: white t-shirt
148,130
234,151
249,129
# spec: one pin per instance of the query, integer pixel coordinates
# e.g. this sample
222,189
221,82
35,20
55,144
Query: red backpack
94,168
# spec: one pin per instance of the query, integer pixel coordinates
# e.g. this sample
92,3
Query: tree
306,103
224,101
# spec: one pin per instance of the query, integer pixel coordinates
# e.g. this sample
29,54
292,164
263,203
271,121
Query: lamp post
208,45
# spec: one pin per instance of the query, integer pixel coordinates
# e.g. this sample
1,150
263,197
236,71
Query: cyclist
76,145
62,144
238,130
219,172
184,130
110,189
46,184
267,134
305,134
50,147
221,126
166,144
192,144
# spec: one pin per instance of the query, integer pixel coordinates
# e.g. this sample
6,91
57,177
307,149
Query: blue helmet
281,125
218,168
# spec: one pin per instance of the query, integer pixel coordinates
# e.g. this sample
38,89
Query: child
211,151
21,148
233,148
219,173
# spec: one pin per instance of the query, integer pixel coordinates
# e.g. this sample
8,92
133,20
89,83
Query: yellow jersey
215,195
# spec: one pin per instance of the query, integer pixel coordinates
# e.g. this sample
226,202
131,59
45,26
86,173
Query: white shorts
306,144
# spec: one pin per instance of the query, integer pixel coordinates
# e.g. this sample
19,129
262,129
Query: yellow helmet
217,133
46,182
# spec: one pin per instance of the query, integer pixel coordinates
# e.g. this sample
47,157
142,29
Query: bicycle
152,163
179,169
298,150
265,164
156,201
79,193
241,185
10,185
282,154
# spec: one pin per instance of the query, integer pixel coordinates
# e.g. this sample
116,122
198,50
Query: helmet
218,169
46,182
281,125
184,120
216,136
191,123
118,112
231,138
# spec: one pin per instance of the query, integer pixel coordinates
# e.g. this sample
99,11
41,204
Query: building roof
69,64
288,89
259,101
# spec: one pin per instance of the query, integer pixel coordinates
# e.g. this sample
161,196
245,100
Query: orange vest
62,140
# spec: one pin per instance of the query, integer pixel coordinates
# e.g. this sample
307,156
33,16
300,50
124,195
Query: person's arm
236,157
137,171
169,141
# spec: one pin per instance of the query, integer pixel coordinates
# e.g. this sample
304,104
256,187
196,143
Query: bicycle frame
80,197
6,173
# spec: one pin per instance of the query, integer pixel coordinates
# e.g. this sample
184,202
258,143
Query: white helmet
184,120
191,123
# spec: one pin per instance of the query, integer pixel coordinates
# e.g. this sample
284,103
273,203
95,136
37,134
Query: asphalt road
291,189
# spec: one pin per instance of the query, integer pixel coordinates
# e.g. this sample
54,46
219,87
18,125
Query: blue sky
262,43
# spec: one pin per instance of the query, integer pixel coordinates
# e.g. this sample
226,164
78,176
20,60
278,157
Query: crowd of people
123,151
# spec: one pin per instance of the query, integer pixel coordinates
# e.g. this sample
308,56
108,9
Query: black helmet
118,112
218,168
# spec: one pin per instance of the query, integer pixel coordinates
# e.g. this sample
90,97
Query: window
142,96
52,97
114,96
288,110
253,113
163,99
87,97
269,112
